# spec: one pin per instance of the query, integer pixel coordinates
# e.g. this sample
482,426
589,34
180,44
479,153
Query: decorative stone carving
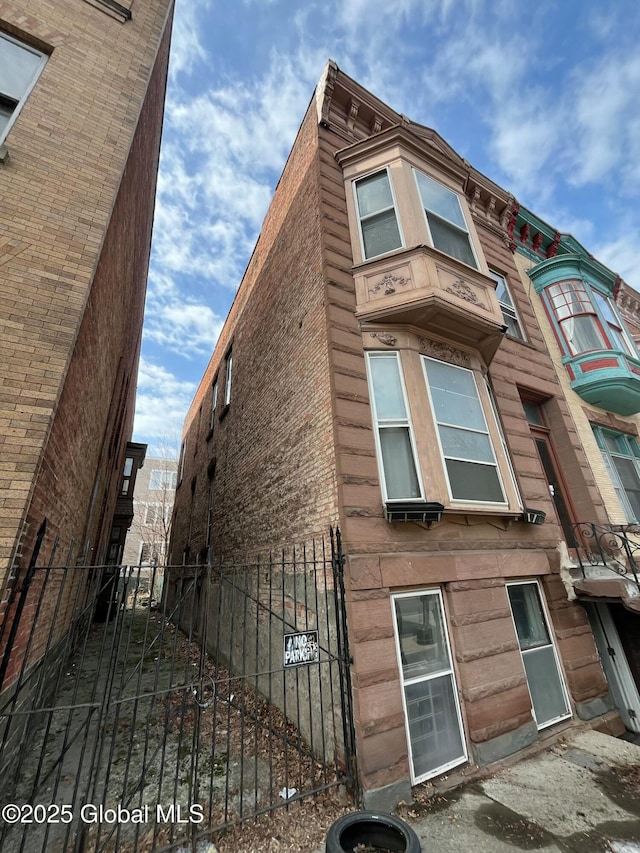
444,352
354,108
388,282
385,338
376,124
461,289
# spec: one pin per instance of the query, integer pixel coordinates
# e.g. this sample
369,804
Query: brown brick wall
67,154
272,450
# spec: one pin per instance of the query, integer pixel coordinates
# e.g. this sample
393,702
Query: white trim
30,86
372,354
228,362
359,217
551,633
508,308
431,676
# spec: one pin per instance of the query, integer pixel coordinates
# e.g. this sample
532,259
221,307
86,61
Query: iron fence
146,707
614,547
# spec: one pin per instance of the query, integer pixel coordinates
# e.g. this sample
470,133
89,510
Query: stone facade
294,448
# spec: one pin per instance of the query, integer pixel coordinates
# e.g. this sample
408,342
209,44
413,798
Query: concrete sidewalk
581,795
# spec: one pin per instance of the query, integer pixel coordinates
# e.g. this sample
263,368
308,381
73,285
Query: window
155,512
394,436
577,316
227,385
463,435
128,470
617,335
214,401
430,696
506,304
621,454
445,220
539,657
20,66
160,479
379,226
183,456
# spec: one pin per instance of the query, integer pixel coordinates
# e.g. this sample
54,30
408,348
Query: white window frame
214,402
183,456
508,309
551,633
396,422
429,677
394,206
443,459
227,379
466,230
20,103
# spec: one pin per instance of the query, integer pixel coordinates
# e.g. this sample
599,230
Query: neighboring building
590,320
377,370
148,537
82,85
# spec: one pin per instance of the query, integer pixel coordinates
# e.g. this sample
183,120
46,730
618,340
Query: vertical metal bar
257,667
231,666
285,745
243,681
216,657
295,573
270,580
319,666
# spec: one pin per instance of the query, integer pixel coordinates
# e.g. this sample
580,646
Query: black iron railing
615,547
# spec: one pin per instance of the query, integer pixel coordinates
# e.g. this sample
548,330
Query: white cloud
186,45
161,404
622,256
185,328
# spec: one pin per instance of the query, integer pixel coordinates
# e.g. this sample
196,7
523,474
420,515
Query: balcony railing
615,547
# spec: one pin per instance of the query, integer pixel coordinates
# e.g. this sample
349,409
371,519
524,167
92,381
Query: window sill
224,412
112,8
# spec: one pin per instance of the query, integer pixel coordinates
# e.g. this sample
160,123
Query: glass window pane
605,308
374,194
501,288
583,334
459,409
423,647
387,388
381,234
628,474
471,481
399,467
5,115
459,380
438,199
463,444
451,240
533,413
528,616
434,730
545,685
18,67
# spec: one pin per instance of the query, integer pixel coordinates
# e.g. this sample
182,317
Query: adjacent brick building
375,371
82,86
590,319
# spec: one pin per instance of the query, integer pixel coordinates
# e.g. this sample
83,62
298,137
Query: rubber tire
373,828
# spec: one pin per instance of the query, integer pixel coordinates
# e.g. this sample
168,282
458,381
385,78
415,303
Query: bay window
379,227
445,219
394,435
463,435
615,332
576,316
621,455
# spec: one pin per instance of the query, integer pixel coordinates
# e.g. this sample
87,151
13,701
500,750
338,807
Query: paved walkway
581,796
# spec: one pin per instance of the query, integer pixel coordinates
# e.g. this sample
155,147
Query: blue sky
543,97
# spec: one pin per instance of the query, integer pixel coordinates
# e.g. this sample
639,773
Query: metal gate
147,707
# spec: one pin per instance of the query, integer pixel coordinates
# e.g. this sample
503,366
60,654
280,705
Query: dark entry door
556,487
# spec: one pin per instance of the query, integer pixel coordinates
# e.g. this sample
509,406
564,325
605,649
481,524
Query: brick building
375,371
590,319
148,536
82,86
